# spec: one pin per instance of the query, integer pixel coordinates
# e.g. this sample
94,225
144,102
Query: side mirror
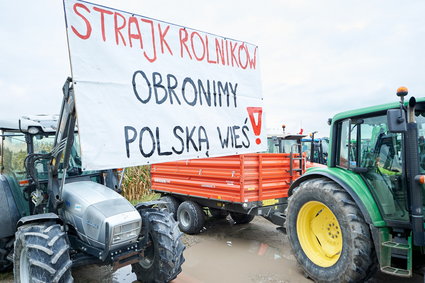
396,119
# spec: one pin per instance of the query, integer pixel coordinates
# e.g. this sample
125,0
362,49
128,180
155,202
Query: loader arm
64,140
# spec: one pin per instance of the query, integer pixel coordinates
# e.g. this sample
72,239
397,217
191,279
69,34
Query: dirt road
224,252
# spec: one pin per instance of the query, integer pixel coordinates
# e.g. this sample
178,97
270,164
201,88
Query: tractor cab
385,146
282,143
17,141
367,146
34,136
316,149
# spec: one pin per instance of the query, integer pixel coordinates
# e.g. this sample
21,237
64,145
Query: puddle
243,261
213,260
124,275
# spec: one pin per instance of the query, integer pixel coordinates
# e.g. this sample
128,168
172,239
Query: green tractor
364,211
55,216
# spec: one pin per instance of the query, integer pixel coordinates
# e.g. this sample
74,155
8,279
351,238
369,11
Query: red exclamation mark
255,116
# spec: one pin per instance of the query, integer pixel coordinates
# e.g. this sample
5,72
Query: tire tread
169,252
48,252
361,260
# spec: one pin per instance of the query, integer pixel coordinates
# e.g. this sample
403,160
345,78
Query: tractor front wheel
41,254
328,234
163,252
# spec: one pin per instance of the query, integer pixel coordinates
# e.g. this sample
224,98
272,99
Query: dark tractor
55,216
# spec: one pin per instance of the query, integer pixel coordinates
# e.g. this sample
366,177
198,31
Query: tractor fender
363,198
9,211
39,218
149,204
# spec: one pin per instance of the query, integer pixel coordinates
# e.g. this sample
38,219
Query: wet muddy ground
224,252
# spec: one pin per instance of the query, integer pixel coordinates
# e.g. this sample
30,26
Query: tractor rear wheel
42,254
328,234
163,253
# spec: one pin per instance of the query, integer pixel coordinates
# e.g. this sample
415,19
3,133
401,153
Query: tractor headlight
126,232
33,130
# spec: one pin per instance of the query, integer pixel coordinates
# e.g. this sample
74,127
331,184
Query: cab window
14,151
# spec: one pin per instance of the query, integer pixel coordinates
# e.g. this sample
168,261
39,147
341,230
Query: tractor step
396,271
391,249
395,245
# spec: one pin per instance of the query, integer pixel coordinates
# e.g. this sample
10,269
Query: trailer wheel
328,234
191,217
41,254
171,205
241,218
218,213
163,253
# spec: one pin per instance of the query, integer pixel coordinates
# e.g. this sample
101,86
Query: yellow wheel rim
319,233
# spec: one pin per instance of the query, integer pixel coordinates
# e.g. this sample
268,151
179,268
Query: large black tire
41,254
356,260
171,205
163,255
6,245
241,218
191,217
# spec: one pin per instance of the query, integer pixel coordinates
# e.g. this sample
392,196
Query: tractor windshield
44,144
15,149
279,145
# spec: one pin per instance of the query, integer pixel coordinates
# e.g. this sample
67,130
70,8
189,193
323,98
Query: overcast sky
317,58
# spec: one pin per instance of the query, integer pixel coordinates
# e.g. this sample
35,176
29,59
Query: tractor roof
372,109
47,123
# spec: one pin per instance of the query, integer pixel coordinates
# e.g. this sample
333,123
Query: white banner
148,91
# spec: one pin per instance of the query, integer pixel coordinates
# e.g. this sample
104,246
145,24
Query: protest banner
148,91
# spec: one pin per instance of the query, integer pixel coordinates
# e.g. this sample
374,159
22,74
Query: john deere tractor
364,211
55,216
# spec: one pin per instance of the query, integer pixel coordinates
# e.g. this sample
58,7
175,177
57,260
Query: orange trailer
242,185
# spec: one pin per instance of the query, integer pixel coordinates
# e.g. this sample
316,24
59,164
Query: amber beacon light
402,91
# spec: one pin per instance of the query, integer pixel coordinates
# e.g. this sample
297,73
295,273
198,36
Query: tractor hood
101,217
